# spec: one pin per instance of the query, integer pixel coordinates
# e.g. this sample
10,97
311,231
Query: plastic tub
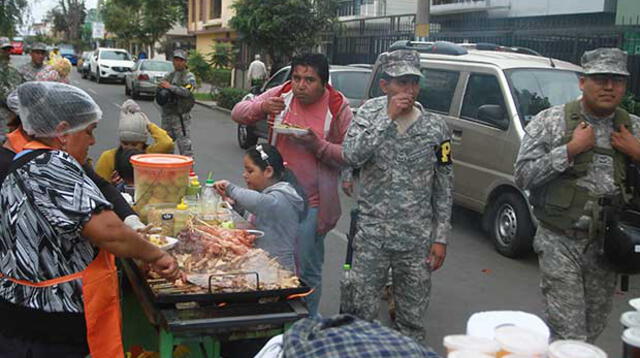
631,343
159,178
470,343
468,354
574,349
630,319
516,340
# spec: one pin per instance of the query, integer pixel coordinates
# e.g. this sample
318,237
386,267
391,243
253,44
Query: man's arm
442,197
187,88
329,150
250,111
538,160
364,138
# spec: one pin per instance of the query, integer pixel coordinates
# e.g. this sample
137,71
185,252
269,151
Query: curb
214,107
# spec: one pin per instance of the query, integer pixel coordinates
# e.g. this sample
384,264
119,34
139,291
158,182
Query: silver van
488,93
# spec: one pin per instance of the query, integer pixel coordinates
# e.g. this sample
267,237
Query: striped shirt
45,204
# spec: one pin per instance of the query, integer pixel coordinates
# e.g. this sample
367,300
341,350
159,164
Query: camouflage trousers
411,285
577,287
179,132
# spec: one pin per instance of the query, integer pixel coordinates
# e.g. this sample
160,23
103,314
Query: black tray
137,278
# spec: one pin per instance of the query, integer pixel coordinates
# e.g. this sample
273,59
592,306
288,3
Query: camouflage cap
38,46
180,54
4,43
401,62
606,61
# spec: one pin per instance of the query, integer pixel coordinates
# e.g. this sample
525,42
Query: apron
100,295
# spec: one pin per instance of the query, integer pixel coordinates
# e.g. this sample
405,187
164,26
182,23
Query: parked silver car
145,76
84,64
351,81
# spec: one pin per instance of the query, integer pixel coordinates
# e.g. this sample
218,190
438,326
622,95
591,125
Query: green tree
283,28
68,18
11,12
222,54
142,21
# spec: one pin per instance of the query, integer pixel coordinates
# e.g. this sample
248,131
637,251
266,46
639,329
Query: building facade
209,22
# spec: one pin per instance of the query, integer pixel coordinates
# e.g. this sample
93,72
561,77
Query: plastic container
630,319
457,342
517,356
631,343
159,178
192,196
209,202
180,218
516,340
468,354
574,349
155,213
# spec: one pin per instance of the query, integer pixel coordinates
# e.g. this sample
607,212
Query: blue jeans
311,257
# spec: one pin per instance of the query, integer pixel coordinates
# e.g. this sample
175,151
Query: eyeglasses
603,79
263,154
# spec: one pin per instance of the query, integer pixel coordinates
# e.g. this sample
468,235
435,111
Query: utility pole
422,20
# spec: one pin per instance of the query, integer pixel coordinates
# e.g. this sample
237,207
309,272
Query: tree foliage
11,12
283,28
222,54
68,19
143,21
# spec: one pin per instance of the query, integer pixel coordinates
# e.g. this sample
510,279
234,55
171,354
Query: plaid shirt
347,336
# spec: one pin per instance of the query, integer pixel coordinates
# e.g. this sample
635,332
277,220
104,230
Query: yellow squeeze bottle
180,217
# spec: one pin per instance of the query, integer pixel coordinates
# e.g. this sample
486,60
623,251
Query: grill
192,313
121,69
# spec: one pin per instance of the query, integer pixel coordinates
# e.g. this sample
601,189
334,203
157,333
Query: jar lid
468,354
515,339
630,319
631,336
574,349
161,160
472,343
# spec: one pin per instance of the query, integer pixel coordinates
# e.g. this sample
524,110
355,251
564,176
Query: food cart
204,312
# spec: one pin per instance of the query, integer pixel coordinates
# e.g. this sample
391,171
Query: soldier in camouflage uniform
176,119
29,71
404,156
576,284
9,80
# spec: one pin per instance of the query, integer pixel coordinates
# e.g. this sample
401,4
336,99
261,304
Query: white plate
635,303
171,242
257,233
290,130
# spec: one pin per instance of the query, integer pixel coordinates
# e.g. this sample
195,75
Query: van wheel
127,91
98,79
511,227
246,137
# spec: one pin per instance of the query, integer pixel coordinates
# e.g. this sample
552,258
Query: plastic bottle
180,217
192,196
209,202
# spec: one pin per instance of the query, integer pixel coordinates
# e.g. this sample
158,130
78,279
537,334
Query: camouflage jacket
543,157
10,78
405,179
30,72
183,84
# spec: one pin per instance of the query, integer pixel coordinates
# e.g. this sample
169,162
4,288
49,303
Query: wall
525,8
399,7
628,12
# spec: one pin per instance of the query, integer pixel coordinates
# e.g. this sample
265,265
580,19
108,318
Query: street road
474,278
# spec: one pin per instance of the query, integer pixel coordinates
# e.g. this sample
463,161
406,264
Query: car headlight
104,66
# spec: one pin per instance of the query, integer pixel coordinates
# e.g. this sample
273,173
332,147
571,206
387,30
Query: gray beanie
133,123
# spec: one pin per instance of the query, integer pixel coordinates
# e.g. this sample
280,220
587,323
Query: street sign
97,30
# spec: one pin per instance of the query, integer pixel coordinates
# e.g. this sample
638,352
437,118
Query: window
279,78
203,3
193,10
115,55
159,66
351,84
215,9
481,90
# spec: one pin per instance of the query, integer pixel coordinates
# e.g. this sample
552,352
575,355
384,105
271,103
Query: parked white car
110,63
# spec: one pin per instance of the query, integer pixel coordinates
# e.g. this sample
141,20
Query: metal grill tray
209,298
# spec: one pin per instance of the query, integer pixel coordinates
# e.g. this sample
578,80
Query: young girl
274,197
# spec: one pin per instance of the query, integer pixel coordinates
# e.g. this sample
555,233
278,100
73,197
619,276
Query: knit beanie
133,123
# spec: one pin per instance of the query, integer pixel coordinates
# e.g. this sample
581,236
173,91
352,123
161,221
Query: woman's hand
221,187
166,266
115,178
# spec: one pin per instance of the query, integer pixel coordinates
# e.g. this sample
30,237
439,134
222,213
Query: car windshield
157,66
67,51
537,89
352,84
115,55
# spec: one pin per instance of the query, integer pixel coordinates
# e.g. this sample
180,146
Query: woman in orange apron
58,237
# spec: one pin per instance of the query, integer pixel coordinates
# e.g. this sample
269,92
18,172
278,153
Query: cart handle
300,295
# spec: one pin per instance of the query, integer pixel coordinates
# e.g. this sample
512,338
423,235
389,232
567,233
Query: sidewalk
213,105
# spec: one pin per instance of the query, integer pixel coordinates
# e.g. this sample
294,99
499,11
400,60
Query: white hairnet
13,102
44,105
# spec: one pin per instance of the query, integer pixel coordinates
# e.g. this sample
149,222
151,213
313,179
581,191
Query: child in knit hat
133,129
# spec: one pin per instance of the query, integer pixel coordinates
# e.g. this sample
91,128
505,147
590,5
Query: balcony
348,9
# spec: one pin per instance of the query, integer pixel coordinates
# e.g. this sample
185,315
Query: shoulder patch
443,153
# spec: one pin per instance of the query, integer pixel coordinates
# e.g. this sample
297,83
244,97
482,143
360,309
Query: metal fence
561,37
